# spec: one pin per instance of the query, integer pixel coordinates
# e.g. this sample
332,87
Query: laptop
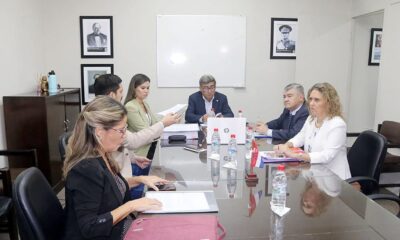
226,127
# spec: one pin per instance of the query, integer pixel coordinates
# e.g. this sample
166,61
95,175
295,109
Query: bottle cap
240,111
233,136
52,72
215,129
250,128
281,167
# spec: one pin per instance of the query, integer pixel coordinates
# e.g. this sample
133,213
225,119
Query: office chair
7,215
365,160
389,197
391,130
62,144
40,215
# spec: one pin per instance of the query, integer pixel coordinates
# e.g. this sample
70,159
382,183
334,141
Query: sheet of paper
179,201
178,108
182,128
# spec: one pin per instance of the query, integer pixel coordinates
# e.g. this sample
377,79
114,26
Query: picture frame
283,38
89,72
375,45
96,36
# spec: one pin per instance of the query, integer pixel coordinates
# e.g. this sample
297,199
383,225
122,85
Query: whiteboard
189,46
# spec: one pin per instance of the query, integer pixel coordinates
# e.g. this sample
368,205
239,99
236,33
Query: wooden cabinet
36,121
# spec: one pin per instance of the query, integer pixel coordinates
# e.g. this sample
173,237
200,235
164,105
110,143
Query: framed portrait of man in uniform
283,38
96,36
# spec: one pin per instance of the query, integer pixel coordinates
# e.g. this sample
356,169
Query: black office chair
62,144
365,160
388,197
7,215
40,215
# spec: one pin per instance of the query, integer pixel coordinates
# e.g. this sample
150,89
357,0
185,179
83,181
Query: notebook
226,127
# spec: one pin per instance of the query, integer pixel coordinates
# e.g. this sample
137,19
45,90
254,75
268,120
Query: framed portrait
89,72
283,38
375,45
96,36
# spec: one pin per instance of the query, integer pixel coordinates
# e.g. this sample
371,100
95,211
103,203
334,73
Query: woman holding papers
323,134
140,115
98,204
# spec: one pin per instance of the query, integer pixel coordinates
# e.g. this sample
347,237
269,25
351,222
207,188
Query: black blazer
91,194
281,128
196,108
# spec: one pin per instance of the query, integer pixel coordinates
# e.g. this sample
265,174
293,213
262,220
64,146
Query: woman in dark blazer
98,204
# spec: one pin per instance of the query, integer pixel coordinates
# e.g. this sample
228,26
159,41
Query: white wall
364,78
389,84
325,45
135,45
21,47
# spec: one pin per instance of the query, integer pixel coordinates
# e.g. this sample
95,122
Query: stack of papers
184,201
178,108
189,130
272,157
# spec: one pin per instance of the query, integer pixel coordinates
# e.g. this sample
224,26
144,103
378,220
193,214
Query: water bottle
52,82
279,184
215,141
232,148
240,113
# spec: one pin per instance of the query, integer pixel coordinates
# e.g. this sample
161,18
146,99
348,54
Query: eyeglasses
208,88
121,130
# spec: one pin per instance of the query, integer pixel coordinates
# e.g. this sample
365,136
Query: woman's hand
281,148
152,181
144,204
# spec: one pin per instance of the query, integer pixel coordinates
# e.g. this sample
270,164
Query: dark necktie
290,120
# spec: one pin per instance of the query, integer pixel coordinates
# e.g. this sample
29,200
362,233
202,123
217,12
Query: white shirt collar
297,109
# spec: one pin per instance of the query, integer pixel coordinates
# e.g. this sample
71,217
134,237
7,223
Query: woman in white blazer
323,134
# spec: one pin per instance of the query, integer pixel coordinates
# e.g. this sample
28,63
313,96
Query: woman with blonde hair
98,203
323,135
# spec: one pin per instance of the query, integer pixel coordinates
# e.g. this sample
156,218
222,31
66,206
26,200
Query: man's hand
261,128
142,162
204,118
171,118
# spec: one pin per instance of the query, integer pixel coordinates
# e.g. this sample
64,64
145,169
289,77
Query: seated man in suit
207,101
293,117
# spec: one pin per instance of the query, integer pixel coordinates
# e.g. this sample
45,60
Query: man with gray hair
207,102
293,117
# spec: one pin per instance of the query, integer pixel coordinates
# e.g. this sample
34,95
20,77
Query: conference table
322,206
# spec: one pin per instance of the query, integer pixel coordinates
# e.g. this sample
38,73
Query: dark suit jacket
91,194
197,109
281,128
91,40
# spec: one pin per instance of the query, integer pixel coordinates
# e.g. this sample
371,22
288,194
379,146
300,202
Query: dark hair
136,81
106,83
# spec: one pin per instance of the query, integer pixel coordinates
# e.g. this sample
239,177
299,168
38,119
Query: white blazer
325,145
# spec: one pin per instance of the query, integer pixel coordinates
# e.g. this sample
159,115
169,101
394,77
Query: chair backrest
62,144
391,130
21,154
40,215
367,154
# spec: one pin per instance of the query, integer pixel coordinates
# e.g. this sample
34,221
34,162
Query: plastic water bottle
232,148
240,113
279,184
215,141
